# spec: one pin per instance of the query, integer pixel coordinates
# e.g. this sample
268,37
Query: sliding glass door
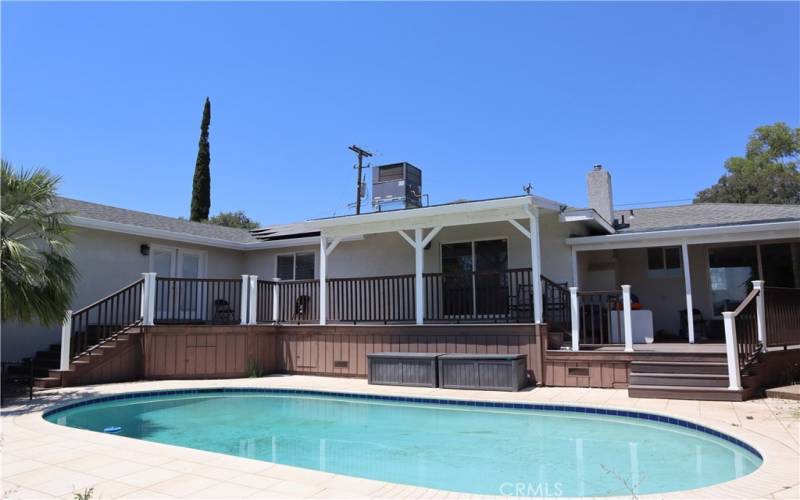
474,278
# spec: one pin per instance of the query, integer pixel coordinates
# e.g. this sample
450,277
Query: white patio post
536,265
252,304
244,301
732,351
419,286
761,317
323,280
687,283
149,314
626,313
66,335
574,318
276,300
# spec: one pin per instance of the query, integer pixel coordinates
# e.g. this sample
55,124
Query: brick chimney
598,185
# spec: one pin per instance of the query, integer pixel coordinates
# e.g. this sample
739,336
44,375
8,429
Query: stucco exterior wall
107,261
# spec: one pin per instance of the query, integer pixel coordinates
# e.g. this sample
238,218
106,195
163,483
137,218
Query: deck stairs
95,355
695,376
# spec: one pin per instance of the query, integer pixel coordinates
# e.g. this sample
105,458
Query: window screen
655,259
304,266
672,258
285,269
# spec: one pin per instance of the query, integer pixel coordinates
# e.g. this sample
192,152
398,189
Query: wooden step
692,393
47,382
679,379
708,367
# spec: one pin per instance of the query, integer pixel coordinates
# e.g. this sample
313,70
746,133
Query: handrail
124,289
95,324
750,296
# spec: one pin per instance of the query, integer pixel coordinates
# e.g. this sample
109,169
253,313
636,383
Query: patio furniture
701,328
493,372
223,312
402,368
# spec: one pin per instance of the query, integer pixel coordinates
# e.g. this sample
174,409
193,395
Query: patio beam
323,279
520,227
407,238
687,282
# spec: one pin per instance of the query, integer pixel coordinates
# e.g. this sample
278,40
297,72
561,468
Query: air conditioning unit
397,185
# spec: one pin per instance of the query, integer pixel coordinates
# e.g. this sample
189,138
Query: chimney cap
598,166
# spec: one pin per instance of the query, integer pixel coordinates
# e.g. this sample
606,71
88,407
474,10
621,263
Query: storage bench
495,372
402,368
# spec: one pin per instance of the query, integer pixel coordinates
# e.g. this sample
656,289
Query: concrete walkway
44,460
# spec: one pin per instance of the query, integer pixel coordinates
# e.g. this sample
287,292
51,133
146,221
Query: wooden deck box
402,368
491,372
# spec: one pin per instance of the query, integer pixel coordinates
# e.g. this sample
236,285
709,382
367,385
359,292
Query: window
474,278
731,270
663,258
296,266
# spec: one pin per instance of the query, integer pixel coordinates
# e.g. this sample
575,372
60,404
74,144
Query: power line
361,155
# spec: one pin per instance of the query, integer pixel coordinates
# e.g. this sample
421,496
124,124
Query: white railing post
252,305
575,318
66,335
626,313
245,299
149,293
276,300
761,318
145,295
732,351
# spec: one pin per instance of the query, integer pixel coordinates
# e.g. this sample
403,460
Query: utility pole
361,155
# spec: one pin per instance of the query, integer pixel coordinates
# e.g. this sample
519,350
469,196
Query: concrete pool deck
44,460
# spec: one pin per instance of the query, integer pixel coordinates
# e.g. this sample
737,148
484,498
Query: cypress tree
201,186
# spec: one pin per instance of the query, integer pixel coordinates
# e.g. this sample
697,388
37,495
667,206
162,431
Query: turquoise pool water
472,449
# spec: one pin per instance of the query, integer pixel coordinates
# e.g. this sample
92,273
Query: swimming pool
470,447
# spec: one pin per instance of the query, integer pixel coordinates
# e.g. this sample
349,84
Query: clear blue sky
484,97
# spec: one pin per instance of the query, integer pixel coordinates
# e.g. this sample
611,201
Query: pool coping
589,410
776,477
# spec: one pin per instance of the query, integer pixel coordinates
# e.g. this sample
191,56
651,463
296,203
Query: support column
761,318
323,280
626,313
732,351
687,281
66,336
419,286
276,300
244,301
536,265
252,309
575,318
143,309
575,267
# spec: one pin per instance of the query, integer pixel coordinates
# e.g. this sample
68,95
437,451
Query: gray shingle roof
704,215
151,221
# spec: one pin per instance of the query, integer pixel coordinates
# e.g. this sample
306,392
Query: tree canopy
767,173
36,273
201,185
233,219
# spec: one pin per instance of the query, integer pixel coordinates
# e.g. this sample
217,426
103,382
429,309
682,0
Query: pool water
470,449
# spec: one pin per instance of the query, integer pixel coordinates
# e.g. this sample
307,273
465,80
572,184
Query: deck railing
94,324
197,300
298,301
782,310
381,299
600,317
264,304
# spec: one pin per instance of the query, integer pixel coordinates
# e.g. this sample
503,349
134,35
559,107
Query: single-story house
457,264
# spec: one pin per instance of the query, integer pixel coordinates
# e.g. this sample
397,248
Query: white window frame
294,263
176,251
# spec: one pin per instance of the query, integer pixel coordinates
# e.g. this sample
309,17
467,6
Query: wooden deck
659,347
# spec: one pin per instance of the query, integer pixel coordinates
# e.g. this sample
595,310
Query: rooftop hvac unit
398,184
